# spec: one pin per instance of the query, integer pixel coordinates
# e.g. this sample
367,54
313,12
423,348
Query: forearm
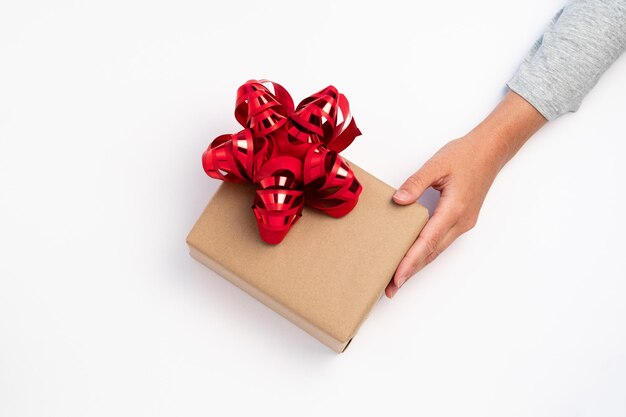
577,47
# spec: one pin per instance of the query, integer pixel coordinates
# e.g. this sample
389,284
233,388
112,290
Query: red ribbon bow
290,154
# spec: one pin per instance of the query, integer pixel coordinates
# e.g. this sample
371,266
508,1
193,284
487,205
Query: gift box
328,273
295,225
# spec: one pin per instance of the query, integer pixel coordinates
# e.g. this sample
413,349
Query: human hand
462,171
463,175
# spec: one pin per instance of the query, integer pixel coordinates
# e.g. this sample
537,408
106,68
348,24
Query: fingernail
393,291
402,195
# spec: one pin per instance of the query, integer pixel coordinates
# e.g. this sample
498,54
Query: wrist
488,151
506,129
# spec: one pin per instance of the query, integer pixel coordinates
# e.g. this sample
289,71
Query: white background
105,109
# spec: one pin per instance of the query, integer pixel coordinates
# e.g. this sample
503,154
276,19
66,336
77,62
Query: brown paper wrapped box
328,273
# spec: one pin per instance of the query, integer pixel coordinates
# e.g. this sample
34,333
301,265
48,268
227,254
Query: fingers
416,184
440,231
395,284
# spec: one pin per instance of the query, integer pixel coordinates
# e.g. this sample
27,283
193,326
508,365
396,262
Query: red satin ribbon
291,154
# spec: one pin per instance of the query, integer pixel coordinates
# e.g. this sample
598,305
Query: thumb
415,185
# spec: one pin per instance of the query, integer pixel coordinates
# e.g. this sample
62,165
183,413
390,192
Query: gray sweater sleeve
580,43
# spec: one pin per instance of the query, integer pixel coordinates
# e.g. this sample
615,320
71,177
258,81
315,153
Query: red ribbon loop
291,154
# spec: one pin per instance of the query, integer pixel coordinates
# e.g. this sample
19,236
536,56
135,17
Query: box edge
336,345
